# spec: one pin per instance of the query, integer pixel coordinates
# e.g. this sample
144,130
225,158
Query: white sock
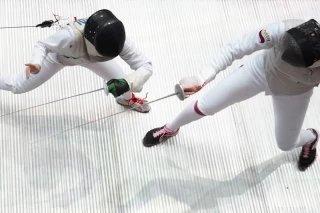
306,136
188,115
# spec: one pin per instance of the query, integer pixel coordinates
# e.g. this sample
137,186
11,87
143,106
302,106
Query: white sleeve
54,43
138,62
262,38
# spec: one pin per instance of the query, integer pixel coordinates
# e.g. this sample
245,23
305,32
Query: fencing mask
104,32
300,46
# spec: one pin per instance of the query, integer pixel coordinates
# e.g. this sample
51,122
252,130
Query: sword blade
10,113
99,119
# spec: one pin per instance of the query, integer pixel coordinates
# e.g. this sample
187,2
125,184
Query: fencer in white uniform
288,70
92,43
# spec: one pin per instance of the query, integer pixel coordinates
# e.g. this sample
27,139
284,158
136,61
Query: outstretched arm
263,38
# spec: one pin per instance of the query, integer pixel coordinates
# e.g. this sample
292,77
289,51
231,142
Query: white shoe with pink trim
140,105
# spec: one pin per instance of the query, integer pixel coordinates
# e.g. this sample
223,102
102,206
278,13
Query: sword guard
179,92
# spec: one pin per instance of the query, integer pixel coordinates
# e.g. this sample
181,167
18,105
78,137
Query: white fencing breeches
18,83
246,82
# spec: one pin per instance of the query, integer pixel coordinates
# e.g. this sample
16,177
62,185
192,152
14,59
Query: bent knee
16,84
19,89
17,92
12,88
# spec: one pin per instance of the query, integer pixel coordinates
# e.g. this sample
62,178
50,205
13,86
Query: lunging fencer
287,70
92,43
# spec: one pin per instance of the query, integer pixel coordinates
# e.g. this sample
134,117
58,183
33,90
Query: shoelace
164,132
134,99
306,150
159,132
307,147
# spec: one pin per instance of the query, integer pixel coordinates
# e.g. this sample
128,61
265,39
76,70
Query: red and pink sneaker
158,135
308,153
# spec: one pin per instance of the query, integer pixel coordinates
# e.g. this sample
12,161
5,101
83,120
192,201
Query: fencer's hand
32,68
117,87
190,85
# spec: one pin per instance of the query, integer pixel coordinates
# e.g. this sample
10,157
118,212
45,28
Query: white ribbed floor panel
226,163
